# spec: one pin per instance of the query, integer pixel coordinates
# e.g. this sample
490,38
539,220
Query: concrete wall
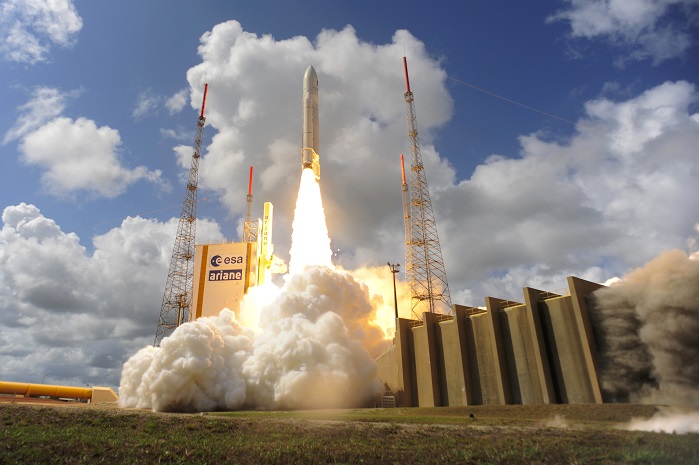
564,344
540,351
387,367
396,366
427,362
580,290
484,360
456,385
522,357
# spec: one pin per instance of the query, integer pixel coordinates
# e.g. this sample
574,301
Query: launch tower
424,266
178,287
250,227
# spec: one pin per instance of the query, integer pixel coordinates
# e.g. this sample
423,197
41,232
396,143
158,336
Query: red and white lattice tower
178,287
424,265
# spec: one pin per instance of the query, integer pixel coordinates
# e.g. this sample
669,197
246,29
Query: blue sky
100,103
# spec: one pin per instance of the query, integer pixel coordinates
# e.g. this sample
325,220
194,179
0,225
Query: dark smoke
647,332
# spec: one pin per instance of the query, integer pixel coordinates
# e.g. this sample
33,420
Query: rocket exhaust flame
310,244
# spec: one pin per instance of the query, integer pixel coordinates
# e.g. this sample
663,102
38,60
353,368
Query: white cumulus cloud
29,28
176,102
75,155
77,315
79,156
146,102
650,29
45,104
612,196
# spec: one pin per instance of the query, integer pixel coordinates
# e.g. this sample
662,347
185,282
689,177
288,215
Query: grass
503,434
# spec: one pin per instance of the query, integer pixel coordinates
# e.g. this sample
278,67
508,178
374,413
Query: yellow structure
96,395
264,239
540,351
223,273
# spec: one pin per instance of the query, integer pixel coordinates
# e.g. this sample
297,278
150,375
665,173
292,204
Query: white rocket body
310,157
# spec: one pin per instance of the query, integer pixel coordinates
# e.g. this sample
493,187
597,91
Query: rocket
310,147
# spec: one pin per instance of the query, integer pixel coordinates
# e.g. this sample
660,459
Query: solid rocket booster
310,146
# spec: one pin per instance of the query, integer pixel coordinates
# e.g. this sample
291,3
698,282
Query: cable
511,101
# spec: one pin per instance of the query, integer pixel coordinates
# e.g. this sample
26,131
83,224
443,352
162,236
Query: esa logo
218,260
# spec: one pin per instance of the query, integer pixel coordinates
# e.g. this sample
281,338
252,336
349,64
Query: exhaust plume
646,330
310,244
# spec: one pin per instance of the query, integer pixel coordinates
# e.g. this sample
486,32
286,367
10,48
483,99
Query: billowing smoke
307,353
646,328
307,356
198,368
302,345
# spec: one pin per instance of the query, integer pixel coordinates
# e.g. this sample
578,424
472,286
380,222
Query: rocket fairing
310,146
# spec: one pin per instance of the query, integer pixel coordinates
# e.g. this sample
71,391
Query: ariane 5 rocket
310,147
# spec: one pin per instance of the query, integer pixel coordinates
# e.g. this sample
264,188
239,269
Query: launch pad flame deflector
310,145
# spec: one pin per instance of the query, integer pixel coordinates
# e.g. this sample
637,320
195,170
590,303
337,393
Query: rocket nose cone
310,79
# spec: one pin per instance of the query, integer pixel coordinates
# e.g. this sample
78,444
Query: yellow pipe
48,390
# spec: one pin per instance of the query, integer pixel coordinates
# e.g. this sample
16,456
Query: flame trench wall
540,351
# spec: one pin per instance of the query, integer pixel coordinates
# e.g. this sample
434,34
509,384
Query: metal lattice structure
178,287
425,271
250,227
406,208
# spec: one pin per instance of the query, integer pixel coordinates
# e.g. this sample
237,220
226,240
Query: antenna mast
425,271
178,287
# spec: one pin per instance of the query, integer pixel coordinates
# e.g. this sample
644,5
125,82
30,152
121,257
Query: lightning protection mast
425,270
178,288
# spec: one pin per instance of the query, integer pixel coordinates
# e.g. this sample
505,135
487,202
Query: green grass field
560,434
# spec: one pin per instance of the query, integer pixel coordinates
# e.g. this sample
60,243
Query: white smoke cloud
197,368
667,420
29,28
76,315
307,353
640,26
